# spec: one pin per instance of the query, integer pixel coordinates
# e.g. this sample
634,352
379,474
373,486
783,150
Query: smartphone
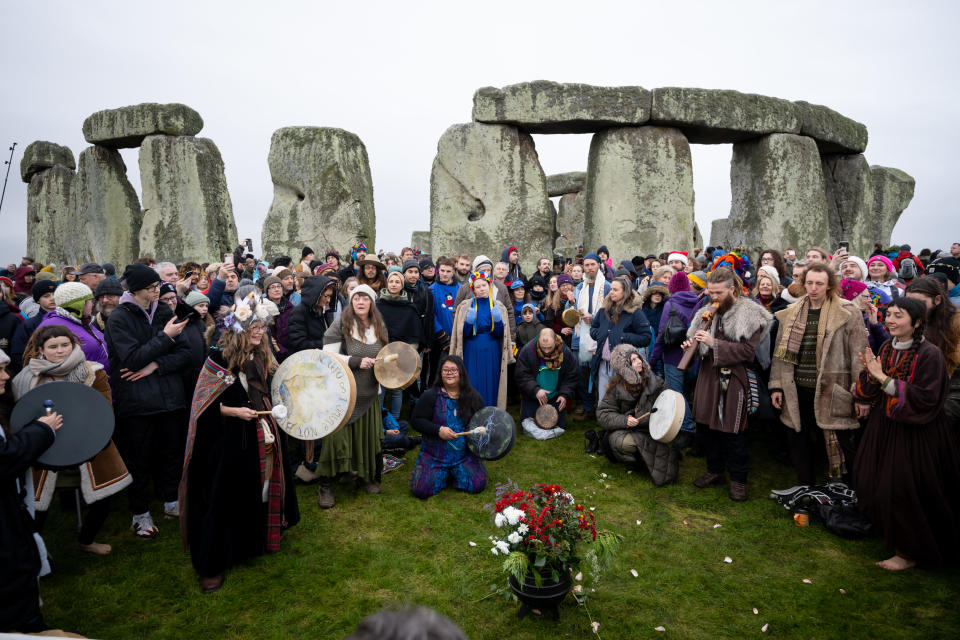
188,274
845,245
228,258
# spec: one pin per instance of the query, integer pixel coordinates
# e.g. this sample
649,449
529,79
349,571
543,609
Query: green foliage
339,565
517,564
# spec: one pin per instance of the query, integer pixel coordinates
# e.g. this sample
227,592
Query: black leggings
96,515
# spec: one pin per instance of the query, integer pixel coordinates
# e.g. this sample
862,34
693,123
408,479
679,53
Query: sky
398,74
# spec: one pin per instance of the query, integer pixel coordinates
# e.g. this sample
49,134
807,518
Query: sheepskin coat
736,335
838,366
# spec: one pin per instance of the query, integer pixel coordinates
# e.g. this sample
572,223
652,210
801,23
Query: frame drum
667,417
319,392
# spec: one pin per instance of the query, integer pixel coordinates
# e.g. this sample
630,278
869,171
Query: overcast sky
398,74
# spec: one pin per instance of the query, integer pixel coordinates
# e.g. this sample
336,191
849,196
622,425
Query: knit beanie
859,262
42,288
678,282
72,296
48,276
885,260
770,271
305,252
592,256
108,287
394,270
564,278
426,263
138,276
698,278
195,297
850,289
269,280
410,264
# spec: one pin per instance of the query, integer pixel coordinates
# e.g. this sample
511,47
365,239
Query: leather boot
209,585
708,479
325,494
738,491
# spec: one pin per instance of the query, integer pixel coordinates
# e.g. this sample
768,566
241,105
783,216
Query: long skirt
354,448
481,355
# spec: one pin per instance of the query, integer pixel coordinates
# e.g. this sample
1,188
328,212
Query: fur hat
72,296
620,362
656,287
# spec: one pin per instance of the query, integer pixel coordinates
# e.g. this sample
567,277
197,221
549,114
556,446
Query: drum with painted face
498,436
319,392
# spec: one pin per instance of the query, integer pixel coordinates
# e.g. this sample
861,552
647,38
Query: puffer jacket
306,327
632,328
661,460
134,340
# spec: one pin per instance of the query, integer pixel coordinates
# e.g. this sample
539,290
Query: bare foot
896,563
97,548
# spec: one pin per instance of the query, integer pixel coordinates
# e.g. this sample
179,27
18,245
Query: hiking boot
325,496
593,443
738,491
708,479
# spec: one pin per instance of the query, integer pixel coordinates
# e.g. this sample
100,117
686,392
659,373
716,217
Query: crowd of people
852,360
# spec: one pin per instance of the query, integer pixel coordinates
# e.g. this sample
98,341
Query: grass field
370,552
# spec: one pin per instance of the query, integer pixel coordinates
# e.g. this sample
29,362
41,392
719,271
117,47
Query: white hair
164,265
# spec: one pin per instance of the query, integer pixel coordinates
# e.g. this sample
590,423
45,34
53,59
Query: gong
397,366
87,421
498,437
570,317
319,392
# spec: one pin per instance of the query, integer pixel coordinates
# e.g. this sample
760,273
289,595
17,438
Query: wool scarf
587,343
553,360
788,343
72,369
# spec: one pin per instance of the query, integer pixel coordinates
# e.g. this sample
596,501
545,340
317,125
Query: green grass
370,552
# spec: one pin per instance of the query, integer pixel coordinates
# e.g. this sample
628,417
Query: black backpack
675,331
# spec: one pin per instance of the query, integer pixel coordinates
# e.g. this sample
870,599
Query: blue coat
632,328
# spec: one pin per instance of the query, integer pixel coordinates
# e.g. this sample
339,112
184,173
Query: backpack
675,331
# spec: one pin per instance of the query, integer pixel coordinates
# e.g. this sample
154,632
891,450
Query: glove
496,315
471,316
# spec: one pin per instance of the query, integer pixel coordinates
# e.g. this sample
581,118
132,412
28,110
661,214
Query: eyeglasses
258,329
154,287
449,372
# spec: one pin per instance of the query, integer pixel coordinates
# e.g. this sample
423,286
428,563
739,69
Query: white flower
494,551
523,528
500,520
514,538
513,515
503,547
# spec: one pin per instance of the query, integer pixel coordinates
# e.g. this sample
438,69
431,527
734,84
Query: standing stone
551,107
187,213
892,193
639,193
42,155
570,220
778,196
849,191
50,214
126,127
421,240
834,132
488,192
560,184
322,192
108,216
697,236
719,230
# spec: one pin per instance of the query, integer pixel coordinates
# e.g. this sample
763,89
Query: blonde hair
762,275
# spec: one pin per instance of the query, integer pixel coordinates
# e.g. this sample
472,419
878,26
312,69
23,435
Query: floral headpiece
243,314
481,275
356,247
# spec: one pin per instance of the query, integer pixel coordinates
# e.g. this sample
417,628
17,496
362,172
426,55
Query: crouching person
626,437
547,373
442,413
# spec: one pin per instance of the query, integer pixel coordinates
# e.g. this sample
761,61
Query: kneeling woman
907,469
54,353
441,413
235,495
632,390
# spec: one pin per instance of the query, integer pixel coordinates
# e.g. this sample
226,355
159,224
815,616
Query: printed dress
442,461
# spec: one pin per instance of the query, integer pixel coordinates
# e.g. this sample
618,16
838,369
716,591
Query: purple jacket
92,341
685,303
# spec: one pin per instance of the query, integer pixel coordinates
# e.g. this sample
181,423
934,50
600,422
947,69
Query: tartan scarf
788,343
257,390
554,360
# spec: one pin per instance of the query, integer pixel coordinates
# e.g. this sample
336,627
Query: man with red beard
727,344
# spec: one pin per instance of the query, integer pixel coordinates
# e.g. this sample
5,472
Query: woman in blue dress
478,337
442,413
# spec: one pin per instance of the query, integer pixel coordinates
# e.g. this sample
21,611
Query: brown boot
738,491
209,585
708,479
325,495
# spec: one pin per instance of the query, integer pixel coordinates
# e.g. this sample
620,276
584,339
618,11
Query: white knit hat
859,262
71,291
363,289
770,271
481,259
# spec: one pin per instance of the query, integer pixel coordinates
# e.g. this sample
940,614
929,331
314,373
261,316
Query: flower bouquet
544,529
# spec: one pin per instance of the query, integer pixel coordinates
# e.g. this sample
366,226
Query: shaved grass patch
340,565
